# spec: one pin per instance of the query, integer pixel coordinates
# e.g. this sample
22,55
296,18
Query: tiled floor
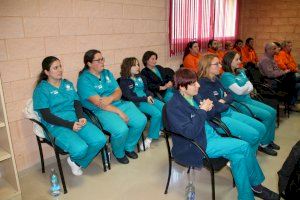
145,178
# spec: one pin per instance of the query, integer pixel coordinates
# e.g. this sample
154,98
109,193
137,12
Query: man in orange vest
248,53
284,59
214,48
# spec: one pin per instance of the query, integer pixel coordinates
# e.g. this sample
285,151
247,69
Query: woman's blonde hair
205,64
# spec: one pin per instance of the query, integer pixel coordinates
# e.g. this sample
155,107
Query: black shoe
274,146
131,154
267,150
123,160
266,194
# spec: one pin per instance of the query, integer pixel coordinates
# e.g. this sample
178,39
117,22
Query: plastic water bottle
190,191
55,187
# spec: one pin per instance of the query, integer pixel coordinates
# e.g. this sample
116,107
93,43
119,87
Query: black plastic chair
97,123
58,151
212,164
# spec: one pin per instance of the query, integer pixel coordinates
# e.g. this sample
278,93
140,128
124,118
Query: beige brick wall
271,20
33,29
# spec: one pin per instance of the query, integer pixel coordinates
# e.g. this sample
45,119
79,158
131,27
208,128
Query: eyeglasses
99,60
217,64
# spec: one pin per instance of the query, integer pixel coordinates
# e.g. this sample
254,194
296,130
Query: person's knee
78,150
121,132
140,121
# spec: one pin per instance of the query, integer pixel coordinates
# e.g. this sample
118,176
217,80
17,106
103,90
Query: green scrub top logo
68,87
54,92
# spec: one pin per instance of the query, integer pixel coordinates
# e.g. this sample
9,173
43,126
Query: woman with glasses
99,92
211,87
235,80
57,102
188,117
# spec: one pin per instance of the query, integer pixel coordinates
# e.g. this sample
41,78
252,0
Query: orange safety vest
286,61
248,55
192,62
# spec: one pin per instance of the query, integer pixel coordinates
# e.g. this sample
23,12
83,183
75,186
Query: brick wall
271,20
33,29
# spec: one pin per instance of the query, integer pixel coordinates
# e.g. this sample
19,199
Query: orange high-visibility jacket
249,55
190,61
285,61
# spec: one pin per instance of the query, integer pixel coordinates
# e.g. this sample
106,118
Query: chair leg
233,181
188,171
107,156
143,141
277,108
104,159
61,172
169,176
212,176
41,154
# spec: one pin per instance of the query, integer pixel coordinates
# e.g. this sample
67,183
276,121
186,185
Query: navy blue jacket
154,81
127,86
214,91
188,121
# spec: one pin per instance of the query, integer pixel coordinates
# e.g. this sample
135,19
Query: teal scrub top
59,100
227,79
157,73
139,87
89,85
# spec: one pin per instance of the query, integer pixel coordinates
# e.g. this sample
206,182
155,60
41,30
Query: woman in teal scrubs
99,92
57,102
186,116
237,82
134,88
211,87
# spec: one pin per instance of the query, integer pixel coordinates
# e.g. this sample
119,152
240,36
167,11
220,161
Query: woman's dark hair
126,66
237,42
227,60
210,42
147,56
46,64
184,77
248,40
187,48
88,58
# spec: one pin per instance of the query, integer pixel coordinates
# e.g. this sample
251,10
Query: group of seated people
277,65
122,107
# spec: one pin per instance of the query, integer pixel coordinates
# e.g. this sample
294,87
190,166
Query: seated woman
236,81
134,88
191,56
58,105
158,78
99,91
188,117
211,87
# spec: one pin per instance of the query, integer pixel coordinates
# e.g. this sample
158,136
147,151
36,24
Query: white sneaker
147,144
76,170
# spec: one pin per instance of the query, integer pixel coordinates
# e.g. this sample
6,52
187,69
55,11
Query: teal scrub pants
124,137
244,166
155,112
168,95
244,127
266,114
83,145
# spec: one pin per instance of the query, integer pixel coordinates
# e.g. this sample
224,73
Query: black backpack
289,175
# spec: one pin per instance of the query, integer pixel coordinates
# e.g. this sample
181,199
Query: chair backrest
29,113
